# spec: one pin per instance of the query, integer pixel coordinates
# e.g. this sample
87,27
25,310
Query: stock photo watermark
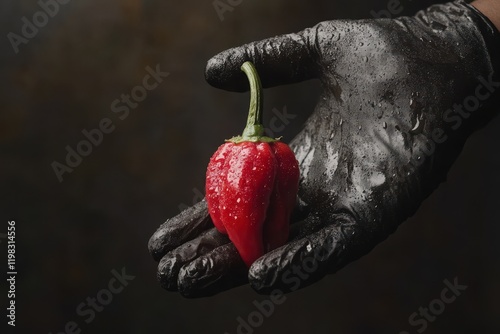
30,28
121,107
11,272
277,124
264,309
455,116
436,307
88,309
394,8
223,6
292,278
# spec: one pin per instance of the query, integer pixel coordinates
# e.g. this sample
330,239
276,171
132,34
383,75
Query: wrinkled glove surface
399,99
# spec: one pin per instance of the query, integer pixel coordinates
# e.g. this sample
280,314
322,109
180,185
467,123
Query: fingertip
223,71
155,245
191,276
217,271
172,262
256,278
263,275
165,276
177,230
279,60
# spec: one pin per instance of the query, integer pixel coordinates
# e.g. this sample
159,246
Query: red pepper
252,184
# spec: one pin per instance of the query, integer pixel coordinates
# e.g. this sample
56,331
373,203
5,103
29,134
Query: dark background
70,235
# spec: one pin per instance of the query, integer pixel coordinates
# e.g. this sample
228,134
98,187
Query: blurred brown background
70,235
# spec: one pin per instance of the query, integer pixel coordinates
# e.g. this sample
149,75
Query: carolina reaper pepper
252,184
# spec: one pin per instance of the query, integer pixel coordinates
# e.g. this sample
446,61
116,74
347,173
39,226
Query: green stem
254,130
254,126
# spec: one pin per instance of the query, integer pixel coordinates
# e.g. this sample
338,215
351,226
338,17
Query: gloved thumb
279,60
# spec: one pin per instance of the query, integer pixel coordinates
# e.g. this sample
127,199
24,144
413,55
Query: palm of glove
379,141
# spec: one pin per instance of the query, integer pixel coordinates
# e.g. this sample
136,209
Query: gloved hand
400,97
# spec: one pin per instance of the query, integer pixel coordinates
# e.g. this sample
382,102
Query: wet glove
400,97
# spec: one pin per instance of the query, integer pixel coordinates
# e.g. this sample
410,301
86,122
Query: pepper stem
254,130
254,126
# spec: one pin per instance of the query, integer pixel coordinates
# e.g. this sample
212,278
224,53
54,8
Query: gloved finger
302,228
177,230
306,260
217,271
279,60
172,262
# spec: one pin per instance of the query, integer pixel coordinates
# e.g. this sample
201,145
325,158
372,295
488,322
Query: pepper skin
252,184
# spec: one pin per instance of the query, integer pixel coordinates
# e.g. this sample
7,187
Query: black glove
400,97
